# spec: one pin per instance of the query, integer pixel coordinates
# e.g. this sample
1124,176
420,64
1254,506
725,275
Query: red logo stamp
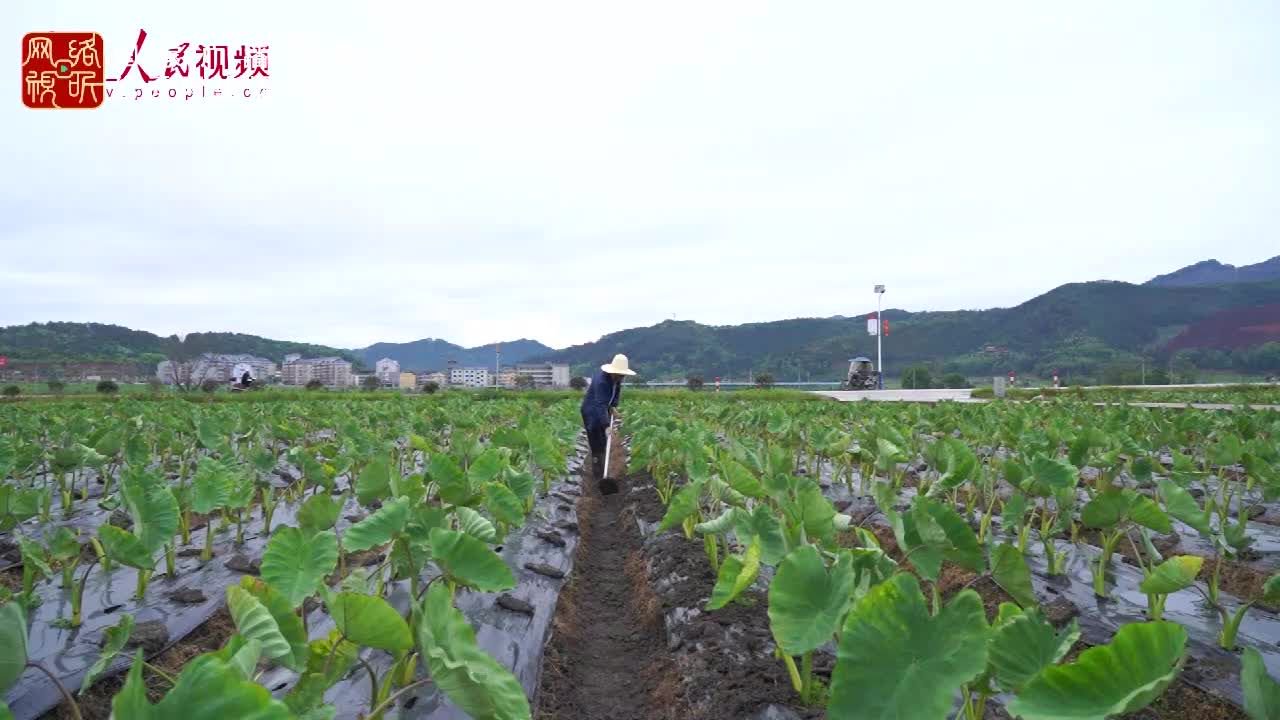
62,70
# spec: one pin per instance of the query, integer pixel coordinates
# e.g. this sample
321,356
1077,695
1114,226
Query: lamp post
879,332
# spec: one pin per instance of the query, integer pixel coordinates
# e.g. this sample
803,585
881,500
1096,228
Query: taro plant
1116,514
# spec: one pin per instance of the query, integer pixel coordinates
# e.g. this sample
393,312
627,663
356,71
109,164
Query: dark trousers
597,432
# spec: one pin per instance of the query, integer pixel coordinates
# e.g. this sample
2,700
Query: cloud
560,170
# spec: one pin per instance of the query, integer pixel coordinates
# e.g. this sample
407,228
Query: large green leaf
503,504
255,622
740,478
369,621
469,561
472,680
1009,570
1055,474
328,660
448,476
476,525
813,511
1184,507
211,688
897,661
211,488
319,512
806,601
736,574
13,638
488,466
683,504
763,525
115,637
152,506
378,528
960,464
943,534
1110,508
1121,677
295,562
1261,692
1025,644
124,547
287,621
374,482
1172,575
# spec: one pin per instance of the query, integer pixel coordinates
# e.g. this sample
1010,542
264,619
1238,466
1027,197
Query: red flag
3,361
886,328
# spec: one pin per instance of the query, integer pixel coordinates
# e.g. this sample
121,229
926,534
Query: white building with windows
330,371
388,372
545,374
470,376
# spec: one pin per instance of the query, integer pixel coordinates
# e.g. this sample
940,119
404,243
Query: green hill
95,342
1078,328
434,354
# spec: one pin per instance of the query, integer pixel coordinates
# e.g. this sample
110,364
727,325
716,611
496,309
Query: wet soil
606,659
96,703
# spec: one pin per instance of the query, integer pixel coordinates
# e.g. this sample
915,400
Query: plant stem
792,671
382,706
806,678
75,709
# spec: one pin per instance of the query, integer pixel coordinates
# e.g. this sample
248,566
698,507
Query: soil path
607,654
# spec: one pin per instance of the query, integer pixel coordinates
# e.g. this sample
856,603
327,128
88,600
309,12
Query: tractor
862,375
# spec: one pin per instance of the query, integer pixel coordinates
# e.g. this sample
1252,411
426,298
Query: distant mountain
1212,272
1077,327
95,342
434,354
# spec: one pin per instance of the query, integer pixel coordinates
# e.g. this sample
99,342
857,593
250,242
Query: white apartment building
470,376
438,378
545,374
388,372
330,371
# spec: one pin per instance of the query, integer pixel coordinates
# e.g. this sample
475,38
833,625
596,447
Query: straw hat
618,366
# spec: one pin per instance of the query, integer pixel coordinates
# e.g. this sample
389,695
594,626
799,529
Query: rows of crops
271,510
850,521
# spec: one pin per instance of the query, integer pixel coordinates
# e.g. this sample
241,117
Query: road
899,395
965,396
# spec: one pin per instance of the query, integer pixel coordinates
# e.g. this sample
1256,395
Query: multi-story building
470,376
545,374
388,372
507,377
218,367
330,371
439,378
408,381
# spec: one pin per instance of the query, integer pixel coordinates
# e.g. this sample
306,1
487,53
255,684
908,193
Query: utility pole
879,332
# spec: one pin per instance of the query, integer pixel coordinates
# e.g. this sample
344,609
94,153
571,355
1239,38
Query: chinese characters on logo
62,70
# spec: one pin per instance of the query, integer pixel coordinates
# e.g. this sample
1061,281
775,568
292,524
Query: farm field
350,556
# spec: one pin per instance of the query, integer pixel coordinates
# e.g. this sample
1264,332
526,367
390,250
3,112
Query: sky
480,171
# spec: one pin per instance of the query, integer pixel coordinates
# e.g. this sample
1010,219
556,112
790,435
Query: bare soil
96,703
606,659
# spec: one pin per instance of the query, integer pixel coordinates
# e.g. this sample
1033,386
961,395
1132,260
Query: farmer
598,407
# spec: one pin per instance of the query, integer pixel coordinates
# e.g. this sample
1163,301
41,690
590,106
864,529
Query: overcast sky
480,171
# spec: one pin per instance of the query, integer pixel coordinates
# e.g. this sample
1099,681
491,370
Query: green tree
955,380
916,377
107,387
430,386
12,391
371,383
210,386
314,385
578,383
524,381
764,380
56,386
694,382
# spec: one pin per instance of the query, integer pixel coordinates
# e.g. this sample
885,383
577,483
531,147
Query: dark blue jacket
603,394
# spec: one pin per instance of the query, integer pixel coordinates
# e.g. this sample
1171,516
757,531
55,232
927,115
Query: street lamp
879,332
